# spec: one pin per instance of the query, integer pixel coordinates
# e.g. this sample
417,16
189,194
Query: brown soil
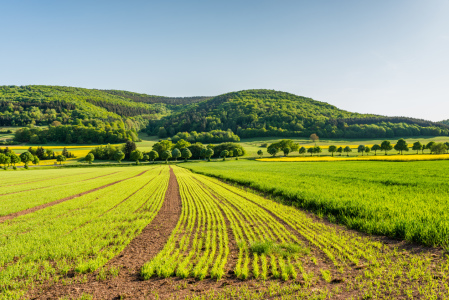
36,208
141,249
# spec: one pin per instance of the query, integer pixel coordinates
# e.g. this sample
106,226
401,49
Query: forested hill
42,105
249,113
445,122
254,113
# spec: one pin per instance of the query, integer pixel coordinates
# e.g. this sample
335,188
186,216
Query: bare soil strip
36,208
143,248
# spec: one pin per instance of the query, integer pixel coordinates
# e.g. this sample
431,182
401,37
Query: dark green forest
77,115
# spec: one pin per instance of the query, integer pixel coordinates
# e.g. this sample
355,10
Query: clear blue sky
385,57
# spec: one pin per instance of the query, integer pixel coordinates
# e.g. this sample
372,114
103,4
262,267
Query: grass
268,247
405,200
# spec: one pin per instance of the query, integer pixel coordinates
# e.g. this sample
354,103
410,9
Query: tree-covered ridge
255,113
250,113
253,109
151,99
445,122
41,105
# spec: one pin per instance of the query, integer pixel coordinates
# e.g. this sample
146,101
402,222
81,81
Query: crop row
79,235
20,178
402,200
11,203
365,267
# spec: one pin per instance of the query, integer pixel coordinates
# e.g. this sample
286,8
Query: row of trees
9,158
288,146
214,136
163,150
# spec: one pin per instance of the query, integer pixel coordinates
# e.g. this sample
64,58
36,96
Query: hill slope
41,105
253,113
249,113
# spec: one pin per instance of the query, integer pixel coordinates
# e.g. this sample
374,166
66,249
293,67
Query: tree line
288,146
33,155
165,150
214,136
113,132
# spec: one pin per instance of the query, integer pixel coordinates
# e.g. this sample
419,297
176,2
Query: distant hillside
151,99
250,113
445,122
253,113
42,105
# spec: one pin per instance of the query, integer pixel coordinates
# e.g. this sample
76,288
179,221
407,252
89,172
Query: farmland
402,200
163,232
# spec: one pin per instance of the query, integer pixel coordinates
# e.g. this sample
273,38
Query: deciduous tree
60,158
89,158
376,148
361,149
438,148
224,153
347,149
386,146
332,149
136,155
340,150
119,156
417,146
26,157
166,155
186,154
209,153
367,150
429,146
401,145
153,155
176,154
272,150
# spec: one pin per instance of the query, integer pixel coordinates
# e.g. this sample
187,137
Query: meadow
111,227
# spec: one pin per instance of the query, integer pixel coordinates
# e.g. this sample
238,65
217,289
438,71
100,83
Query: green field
403,200
225,243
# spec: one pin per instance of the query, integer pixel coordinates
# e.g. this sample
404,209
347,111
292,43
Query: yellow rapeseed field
416,157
